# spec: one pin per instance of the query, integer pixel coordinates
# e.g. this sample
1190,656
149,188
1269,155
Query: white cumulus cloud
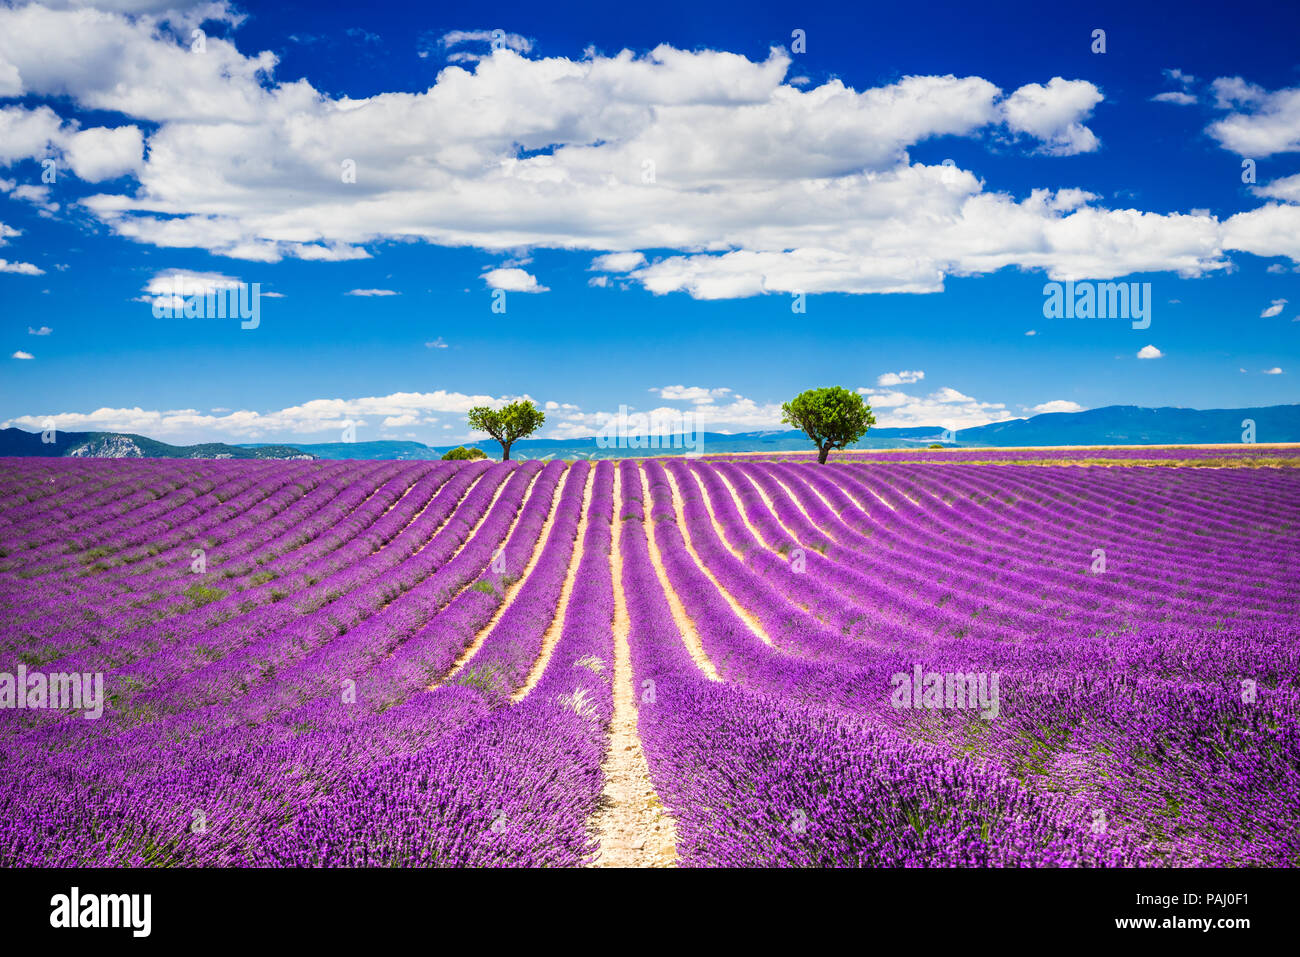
1258,122
1054,114
681,393
22,269
1056,405
513,280
618,262
774,186
900,378
102,153
1286,189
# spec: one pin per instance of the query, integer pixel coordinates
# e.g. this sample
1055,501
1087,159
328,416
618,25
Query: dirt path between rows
771,507
633,828
424,508
543,539
685,627
556,629
438,530
741,612
821,498
713,516
768,503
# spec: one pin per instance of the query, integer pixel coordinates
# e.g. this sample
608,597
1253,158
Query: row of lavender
228,740
1272,454
385,623
1179,741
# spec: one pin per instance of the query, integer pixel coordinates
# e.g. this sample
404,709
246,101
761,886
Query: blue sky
776,171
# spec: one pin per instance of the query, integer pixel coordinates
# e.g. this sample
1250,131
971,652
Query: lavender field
738,661
1278,456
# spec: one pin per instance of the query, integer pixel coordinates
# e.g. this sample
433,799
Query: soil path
633,828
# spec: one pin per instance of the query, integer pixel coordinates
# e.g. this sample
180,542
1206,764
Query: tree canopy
507,424
460,452
832,417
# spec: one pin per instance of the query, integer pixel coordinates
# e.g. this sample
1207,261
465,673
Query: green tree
509,424
460,452
832,417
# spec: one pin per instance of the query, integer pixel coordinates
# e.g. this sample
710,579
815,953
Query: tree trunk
821,455
505,451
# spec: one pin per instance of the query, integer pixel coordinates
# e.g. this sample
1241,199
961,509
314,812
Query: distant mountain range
127,445
1112,425
1134,425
